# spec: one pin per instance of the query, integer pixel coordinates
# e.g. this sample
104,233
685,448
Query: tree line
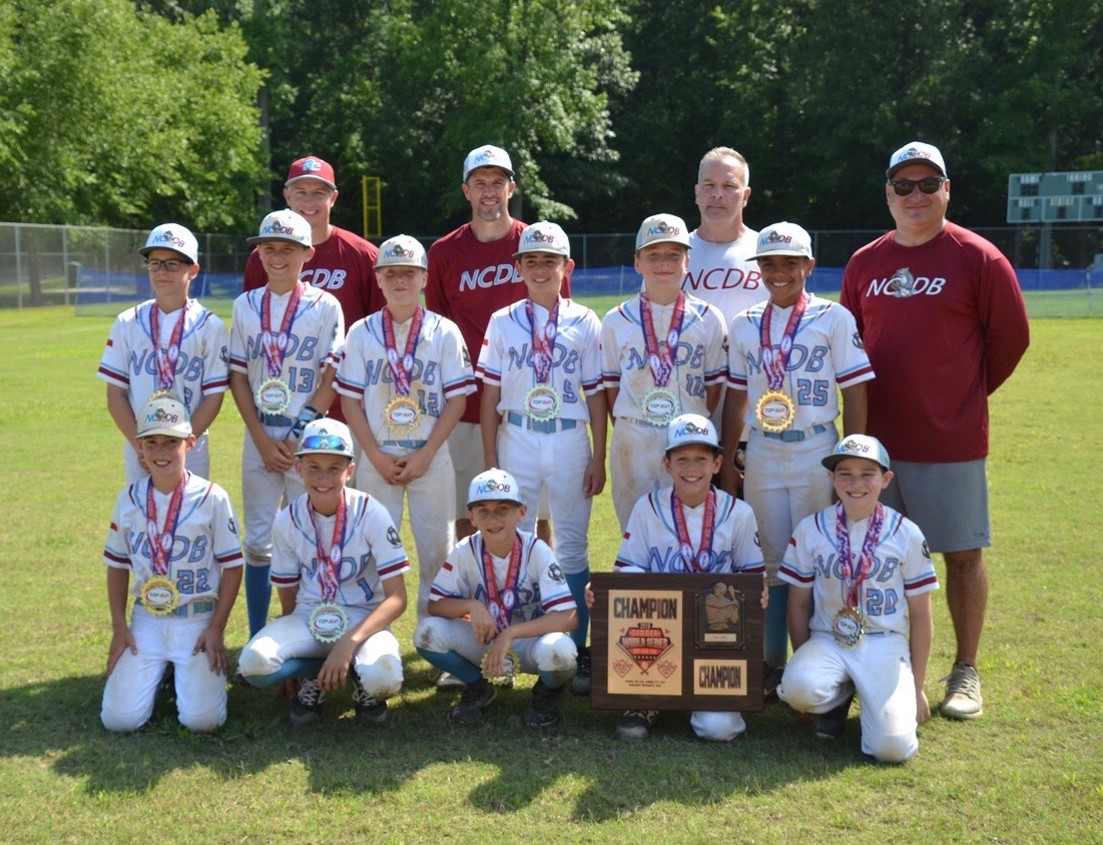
126,112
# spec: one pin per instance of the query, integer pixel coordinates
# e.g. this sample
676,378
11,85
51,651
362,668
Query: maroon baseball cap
312,167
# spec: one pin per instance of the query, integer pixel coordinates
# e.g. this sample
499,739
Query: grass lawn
1031,770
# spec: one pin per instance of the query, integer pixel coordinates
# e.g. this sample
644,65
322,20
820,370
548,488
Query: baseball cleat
635,725
580,683
474,699
832,724
963,699
306,709
369,709
544,708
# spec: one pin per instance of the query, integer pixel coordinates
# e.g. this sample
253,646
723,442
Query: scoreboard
1071,197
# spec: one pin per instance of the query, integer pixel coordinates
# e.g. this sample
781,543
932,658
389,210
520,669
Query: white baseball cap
544,236
487,156
691,430
916,151
325,436
284,225
494,485
163,414
783,239
858,446
402,251
175,237
662,229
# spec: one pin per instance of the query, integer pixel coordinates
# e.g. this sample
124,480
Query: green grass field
1031,770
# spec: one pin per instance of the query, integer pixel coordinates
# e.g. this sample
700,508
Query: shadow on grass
59,720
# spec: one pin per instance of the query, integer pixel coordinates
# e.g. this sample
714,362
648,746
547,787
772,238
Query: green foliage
121,119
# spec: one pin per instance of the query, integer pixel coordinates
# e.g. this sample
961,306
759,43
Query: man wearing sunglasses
942,317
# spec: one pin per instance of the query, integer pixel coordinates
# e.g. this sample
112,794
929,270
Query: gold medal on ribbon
775,411
848,626
160,596
328,623
660,406
273,396
511,665
542,403
402,414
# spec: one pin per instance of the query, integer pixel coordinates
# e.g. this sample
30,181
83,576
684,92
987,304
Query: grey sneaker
306,709
446,680
369,709
474,699
580,683
963,699
832,724
635,725
544,708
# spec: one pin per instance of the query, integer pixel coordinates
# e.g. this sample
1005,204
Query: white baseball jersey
902,567
372,552
204,542
724,275
130,357
651,543
441,371
506,356
699,360
826,352
541,585
315,341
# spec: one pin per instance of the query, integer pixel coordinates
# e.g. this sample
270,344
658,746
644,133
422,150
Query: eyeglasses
170,264
327,442
929,185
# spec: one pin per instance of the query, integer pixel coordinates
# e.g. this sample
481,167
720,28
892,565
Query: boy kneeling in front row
517,602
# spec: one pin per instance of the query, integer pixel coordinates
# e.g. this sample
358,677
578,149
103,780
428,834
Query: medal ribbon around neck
543,343
160,542
329,561
702,560
775,366
401,370
501,602
166,358
275,346
659,358
854,574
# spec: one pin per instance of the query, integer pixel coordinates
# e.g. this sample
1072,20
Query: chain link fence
99,271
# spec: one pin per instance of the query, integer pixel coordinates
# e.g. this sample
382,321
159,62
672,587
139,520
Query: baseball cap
916,151
284,225
175,237
402,251
488,156
163,414
544,236
325,437
494,485
691,430
311,167
662,229
858,446
783,239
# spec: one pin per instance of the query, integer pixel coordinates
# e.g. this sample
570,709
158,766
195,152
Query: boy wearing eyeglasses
788,358
337,564
167,344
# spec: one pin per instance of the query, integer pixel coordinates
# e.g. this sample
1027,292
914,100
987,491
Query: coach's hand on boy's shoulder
120,642
278,455
212,643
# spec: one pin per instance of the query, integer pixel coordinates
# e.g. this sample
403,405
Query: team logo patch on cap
311,165
160,415
663,228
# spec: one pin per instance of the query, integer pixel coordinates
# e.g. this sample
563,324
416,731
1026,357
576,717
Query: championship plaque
676,642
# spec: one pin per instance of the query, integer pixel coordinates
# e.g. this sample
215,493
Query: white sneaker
963,699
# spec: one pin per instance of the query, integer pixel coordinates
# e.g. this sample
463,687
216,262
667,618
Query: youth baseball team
483,408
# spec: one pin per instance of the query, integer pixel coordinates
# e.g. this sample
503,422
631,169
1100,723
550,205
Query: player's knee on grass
555,653
128,721
206,720
890,749
717,726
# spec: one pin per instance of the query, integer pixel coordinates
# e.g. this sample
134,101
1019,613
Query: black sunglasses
929,185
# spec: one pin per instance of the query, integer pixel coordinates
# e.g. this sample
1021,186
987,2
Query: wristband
307,415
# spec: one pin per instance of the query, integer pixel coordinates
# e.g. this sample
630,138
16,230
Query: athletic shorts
949,502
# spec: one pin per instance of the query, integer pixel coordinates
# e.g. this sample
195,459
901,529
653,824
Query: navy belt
795,436
277,420
192,609
545,426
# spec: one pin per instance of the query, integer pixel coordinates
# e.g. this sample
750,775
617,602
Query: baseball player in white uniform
499,605
337,563
690,527
541,372
175,533
662,355
169,343
404,379
860,609
284,350
786,358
